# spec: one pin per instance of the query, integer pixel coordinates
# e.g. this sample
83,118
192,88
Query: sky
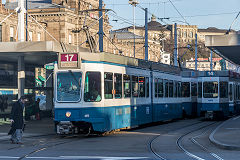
203,13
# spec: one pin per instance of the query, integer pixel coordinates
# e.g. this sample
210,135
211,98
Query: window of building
118,85
135,86
185,34
70,39
191,34
92,89
39,37
108,85
127,86
0,33
11,34
30,35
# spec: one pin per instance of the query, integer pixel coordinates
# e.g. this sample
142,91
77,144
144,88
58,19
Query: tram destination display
69,60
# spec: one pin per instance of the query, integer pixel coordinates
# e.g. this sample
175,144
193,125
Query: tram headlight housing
68,114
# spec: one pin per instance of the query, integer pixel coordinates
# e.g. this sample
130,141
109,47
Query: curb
219,144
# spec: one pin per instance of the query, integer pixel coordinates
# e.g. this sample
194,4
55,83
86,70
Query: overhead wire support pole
196,61
175,45
100,27
134,4
211,67
146,34
26,20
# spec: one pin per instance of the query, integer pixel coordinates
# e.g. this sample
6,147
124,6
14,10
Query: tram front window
210,89
68,86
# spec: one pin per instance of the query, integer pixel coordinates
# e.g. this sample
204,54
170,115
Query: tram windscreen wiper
75,78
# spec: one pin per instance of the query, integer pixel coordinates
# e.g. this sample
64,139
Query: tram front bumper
65,127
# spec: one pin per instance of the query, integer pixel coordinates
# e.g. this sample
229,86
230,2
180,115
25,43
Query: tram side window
199,89
156,87
141,86
170,88
92,89
147,86
127,86
118,85
223,89
108,85
135,86
185,89
230,92
166,87
175,88
179,89
194,89
210,89
160,88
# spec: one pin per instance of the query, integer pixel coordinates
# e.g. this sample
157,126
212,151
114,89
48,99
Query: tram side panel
166,97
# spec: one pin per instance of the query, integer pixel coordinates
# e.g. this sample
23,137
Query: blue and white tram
108,92
215,101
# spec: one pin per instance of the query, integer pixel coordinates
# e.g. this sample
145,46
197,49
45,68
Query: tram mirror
69,61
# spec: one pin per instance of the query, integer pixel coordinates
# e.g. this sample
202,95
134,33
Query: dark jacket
17,115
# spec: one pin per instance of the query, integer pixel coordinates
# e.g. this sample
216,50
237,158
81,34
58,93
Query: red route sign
69,57
69,60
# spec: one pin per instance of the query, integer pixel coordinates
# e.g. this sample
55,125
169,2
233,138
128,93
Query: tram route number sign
69,60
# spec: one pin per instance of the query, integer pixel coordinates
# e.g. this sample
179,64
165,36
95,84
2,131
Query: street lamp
133,3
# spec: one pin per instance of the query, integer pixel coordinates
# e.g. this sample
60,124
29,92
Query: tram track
154,138
179,142
47,145
194,141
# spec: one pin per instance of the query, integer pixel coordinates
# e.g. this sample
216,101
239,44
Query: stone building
161,39
56,20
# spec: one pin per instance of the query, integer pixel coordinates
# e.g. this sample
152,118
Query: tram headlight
68,114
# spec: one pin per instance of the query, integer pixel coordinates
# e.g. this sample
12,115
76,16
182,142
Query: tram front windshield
68,86
210,89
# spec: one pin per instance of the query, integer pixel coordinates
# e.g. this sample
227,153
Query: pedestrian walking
17,126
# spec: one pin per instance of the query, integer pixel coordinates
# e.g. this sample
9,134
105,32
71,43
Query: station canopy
226,46
38,53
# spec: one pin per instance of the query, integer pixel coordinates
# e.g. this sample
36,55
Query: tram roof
130,61
226,46
38,53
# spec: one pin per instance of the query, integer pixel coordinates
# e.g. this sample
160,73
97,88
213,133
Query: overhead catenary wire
179,12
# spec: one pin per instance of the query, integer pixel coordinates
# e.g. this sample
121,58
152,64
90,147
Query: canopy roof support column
21,76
